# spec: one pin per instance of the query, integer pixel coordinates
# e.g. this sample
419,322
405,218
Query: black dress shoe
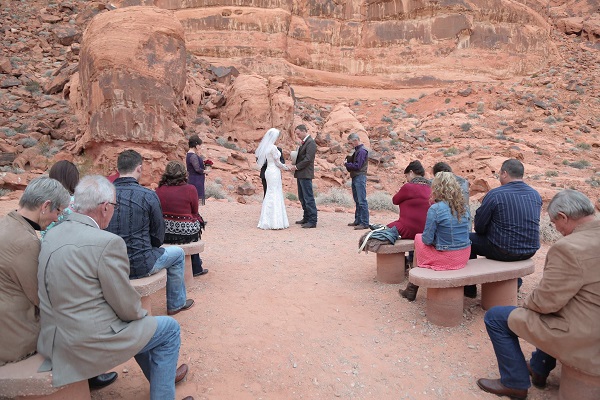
494,386
204,271
188,304
102,380
301,222
361,227
471,291
410,293
309,225
537,380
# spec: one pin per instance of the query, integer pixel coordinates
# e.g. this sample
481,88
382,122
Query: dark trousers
196,264
264,183
307,199
359,194
511,361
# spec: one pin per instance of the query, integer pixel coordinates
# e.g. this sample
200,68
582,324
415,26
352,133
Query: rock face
132,80
400,42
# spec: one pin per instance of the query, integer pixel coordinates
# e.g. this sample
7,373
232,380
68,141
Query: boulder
341,122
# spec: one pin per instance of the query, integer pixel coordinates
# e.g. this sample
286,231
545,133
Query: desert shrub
291,196
335,196
387,119
214,190
480,107
8,132
581,164
451,151
594,181
412,100
33,87
465,127
565,162
436,139
551,173
381,201
550,120
4,191
27,142
448,100
584,146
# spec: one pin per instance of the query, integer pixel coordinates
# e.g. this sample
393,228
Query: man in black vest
357,164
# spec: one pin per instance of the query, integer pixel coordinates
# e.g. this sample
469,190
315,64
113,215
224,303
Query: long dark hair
66,173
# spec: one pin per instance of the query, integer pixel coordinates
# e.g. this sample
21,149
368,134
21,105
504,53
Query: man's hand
292,168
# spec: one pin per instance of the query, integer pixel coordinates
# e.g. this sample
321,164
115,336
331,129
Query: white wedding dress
273,214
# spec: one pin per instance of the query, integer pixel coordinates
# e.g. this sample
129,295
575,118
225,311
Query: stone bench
575,384
391,260
148,285
21,380
445,295
189,249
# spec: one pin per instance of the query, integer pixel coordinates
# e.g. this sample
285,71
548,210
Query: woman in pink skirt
444,244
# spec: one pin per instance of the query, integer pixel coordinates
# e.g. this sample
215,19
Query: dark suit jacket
305,161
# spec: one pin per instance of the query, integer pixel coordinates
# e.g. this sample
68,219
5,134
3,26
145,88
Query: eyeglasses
115,205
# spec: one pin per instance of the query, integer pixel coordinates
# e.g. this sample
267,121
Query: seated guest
68,175
139,221
561,316
41,204
444,244
413,201
179,202
507,224
91,317
464,184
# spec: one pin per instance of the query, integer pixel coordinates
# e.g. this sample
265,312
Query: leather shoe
537,380
360,227
204,271
188,398
181,372
309,225
495,387
352,224
470,291
301,222
188,304
102,380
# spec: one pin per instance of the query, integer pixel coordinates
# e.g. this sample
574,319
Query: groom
304,172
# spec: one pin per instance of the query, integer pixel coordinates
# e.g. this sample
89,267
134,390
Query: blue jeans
173,259
307,199
158,359
511,361
359,193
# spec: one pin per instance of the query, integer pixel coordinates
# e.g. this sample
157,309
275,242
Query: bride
272,214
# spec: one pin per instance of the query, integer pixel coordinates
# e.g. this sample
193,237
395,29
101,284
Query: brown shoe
537,380
189,303
352,224
361,227
494,386
181,372
188,398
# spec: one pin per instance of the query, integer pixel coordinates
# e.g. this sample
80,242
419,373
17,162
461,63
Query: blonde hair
445,187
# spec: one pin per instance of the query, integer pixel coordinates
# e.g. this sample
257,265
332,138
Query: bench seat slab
575,384
75,391
502,293
445,305
390,268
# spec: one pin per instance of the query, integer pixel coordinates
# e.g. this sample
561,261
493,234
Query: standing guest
507,224
304,172
41,203
91,317
464,184
68,175
272,213
179,203
444,244
357,164
413,200
195,167
561,317
139,221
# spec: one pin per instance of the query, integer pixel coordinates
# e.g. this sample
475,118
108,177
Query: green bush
335,196
291,196
452,151
214,190
584,146
381,201
581,164
465,127
551,173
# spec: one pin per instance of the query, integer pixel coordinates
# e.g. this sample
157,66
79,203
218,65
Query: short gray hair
42,189
91,191
353,136
572,203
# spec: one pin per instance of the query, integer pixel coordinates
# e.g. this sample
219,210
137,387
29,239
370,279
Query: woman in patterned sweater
179,202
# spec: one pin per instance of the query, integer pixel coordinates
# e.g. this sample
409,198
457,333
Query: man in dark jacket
357,164
304,172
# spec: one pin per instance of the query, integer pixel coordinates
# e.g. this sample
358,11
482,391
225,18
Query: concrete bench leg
445,305
502,293
390,268
147,304
188,273
76,391
575,384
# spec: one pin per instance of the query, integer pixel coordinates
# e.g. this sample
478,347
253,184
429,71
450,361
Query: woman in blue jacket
444,244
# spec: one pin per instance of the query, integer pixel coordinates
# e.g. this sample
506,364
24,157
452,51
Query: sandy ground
298,314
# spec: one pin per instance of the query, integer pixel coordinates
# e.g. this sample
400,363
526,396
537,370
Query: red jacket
413,199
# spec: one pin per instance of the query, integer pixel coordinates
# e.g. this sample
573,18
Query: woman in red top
179,202
413,198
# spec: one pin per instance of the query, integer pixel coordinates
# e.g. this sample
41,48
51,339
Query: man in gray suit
91,317
304,172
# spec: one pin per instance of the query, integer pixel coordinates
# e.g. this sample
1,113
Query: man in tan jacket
561,317
92,318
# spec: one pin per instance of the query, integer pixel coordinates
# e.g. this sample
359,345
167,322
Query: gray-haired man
357,164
